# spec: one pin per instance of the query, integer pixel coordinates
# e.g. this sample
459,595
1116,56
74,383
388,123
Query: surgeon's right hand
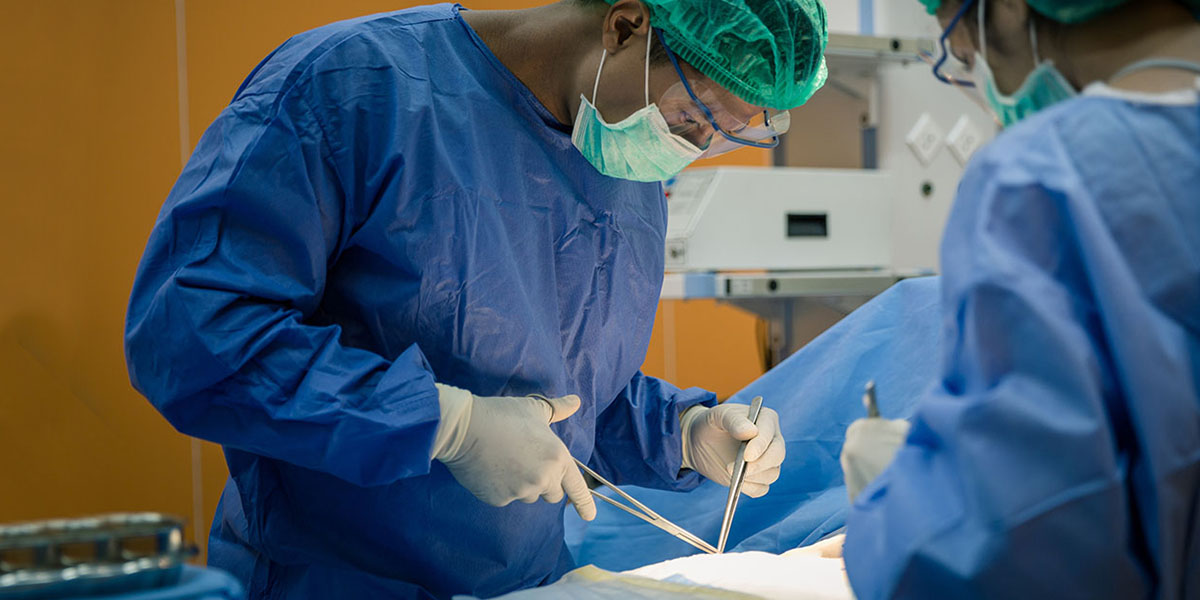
502,449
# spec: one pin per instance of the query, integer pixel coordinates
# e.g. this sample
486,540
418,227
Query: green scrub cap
769,53
1069,11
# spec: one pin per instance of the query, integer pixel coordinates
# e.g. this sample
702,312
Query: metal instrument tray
108,554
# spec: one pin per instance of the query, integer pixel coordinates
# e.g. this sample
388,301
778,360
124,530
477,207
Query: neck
1097,50
554,49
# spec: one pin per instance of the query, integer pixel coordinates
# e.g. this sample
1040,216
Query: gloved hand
712,436
502,449
869,448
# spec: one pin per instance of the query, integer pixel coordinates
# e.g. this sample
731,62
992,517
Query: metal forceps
737,478
645,513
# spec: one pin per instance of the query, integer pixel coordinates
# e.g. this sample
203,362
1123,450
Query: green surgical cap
769,53
1068,11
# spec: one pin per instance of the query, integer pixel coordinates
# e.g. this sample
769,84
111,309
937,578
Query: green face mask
639,148
1045,86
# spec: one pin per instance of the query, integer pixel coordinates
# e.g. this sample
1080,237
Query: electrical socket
925,139
964,139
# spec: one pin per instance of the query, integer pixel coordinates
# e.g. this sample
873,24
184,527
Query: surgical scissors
646,514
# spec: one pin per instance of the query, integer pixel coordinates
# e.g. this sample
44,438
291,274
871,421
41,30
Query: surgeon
410,273
1058,454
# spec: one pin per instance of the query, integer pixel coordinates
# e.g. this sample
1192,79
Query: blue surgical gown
384,205
1058,456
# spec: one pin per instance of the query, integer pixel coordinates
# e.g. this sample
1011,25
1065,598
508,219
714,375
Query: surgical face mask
1043,87
639,148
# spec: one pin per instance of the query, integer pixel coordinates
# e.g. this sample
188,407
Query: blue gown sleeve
223,334
638,439
1012,482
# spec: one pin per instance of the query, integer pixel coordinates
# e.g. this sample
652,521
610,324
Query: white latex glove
712,436
502,449
869,448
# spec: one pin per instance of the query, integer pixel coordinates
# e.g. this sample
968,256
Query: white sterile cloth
795,575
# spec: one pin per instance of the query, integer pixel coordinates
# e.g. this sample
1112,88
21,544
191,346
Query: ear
626,22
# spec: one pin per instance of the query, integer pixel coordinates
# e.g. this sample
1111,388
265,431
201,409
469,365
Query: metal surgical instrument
869,400
646,514
737,478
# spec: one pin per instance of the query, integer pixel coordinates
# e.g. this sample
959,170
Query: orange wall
705,344
89,147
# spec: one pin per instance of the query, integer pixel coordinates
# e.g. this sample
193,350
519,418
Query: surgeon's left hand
870,446
711,437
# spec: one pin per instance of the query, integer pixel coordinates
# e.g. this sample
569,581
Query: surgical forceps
645,513
737,478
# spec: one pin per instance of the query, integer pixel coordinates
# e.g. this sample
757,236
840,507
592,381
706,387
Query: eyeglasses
957,73
698,112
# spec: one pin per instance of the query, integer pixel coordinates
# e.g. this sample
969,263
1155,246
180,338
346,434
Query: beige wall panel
88,149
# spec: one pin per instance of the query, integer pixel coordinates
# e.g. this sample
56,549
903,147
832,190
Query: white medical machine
802,247
781,219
